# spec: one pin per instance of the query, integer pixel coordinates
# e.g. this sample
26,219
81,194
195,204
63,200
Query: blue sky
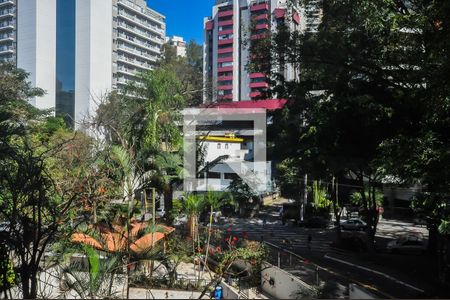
184,17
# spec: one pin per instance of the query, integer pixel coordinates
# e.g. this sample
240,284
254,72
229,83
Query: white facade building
7,30
79,50
232,151
229,32
179,44
139,33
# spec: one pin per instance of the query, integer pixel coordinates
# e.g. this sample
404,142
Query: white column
36,47
93,55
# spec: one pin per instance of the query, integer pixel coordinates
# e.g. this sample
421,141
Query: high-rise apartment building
178,43
78,50
139,33
7,30
234,25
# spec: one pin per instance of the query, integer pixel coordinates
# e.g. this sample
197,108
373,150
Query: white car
354,224
407,245
160,212
179,220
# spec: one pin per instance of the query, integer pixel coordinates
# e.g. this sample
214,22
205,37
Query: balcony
126,71
225,87
140,33
139,22
225,41
279,13
225,23
225,69
5,2
6,15
6,50
259,36
296,18
136,42
257,75
225,97
259,85
257,7
225,50
134,62
224,32
262,26
209,25
255,94
224,78
225,59
6,25
136,52
261,17
6,37
147,13
225,13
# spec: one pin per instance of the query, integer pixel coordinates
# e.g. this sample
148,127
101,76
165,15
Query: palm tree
215,200
193,206
103,274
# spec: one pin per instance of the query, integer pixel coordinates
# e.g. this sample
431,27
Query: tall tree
32,205
144,120
189,70
372,96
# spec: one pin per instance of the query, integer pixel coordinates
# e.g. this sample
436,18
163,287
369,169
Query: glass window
65,60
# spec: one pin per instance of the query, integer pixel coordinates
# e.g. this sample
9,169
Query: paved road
383,274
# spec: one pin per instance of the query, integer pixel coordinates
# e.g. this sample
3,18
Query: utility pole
305,198
153,227
153,215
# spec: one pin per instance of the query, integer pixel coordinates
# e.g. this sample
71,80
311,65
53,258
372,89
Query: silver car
407,245
354,224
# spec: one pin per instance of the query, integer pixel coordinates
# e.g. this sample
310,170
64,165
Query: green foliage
189,70
33,201
7,274
320,196
194,204
143,121
356,198
101,278
177,208
243,195
444,227
372,97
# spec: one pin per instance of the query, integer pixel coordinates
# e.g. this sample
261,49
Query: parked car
180,220
160,212
316,222
407,245
291,211
354,224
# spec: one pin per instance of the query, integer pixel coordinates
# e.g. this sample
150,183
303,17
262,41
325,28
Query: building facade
179,44
229,32
139,33
7,30
79,50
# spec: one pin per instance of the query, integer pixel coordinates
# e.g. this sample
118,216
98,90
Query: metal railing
293,263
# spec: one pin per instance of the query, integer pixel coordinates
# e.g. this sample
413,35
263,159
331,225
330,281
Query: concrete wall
228,291
285,285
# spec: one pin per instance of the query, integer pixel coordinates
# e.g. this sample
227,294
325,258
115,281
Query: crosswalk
290,238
